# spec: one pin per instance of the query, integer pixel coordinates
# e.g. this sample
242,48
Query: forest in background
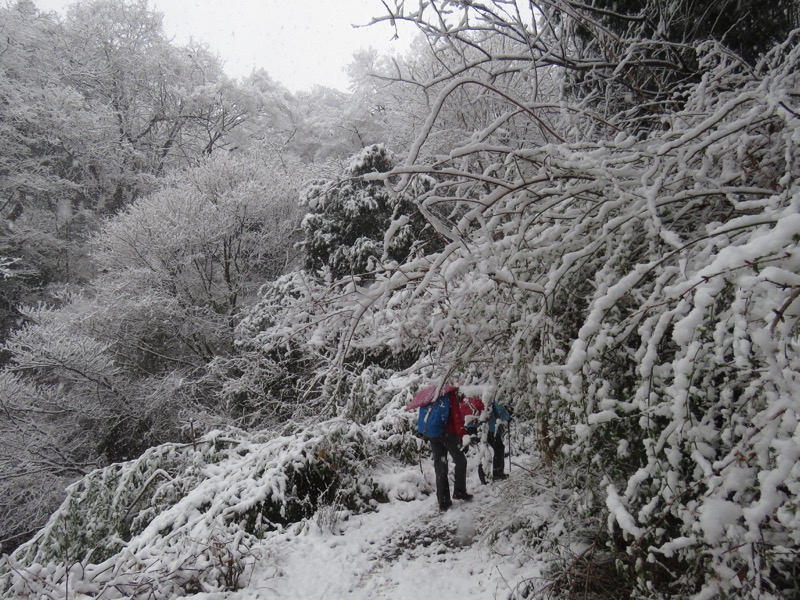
588,209
145,197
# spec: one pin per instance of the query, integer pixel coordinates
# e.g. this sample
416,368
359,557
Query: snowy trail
404,550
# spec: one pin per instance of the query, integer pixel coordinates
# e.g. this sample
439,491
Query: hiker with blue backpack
441,422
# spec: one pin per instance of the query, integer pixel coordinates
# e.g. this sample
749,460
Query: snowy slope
223,519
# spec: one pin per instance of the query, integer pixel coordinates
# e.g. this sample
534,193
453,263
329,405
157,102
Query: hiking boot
462,496
497,476
445,505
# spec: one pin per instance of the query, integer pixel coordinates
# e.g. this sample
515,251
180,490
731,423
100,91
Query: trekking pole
509,447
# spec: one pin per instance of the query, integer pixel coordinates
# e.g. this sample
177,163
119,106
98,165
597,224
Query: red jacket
455,421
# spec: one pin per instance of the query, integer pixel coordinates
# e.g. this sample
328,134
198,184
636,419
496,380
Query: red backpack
471,408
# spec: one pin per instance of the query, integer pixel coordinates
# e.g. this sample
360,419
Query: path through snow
405,550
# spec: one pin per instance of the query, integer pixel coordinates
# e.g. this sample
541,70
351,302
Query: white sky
298,42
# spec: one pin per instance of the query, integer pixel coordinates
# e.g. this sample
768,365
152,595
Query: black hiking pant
440,447
495,439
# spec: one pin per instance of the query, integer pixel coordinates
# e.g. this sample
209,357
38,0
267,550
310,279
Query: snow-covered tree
93,109
167,105
119,368
348,219
210,236
43,451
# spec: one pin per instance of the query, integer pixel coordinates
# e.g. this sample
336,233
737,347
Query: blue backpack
433,417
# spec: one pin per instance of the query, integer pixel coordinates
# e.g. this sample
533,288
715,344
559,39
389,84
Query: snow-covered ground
405,549
199,536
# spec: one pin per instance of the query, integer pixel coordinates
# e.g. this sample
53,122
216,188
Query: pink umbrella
427,395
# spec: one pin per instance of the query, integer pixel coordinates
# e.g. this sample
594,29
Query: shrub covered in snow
185,518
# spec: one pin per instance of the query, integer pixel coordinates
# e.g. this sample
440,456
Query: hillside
245,518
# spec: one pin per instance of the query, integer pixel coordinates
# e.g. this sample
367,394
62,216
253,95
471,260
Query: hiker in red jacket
450,442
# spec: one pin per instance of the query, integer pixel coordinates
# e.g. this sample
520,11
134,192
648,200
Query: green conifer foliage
349,218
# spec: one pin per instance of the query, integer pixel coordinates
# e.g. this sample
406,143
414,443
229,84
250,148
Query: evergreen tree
350,218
